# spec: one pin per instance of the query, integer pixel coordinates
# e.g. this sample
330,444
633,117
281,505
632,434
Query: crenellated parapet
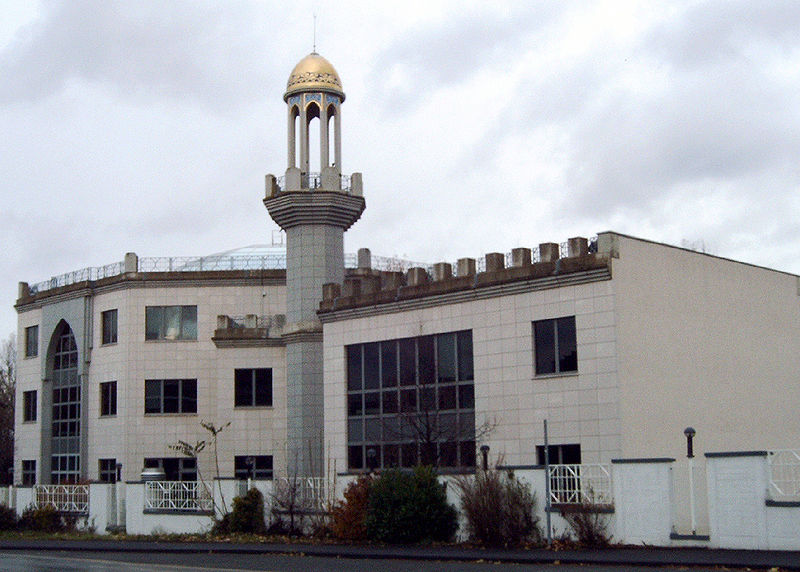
364,288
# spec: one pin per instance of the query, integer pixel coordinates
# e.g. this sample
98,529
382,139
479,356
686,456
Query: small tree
410,507
192,451
499,509
8,384
248,513
348,517
589,523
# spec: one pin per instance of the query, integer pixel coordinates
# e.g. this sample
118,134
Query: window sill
31,357
165,341
112,416
109,344
249,407
30,422
171,414
559,374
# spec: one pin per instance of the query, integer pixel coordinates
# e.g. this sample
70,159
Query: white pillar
323,137
291,142
337,151
304,140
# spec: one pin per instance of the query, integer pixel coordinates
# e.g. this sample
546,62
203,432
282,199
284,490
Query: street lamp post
690,433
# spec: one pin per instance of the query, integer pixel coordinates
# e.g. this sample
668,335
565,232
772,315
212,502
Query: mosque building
323,362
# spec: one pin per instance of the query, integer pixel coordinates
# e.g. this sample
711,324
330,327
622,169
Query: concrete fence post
642,500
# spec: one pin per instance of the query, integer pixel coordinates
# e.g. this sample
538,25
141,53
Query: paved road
91,561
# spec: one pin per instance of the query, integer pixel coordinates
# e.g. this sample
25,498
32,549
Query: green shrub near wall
409,507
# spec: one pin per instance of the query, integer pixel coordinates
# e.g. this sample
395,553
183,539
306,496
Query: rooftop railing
219,263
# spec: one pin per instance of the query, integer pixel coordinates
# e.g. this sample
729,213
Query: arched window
65,463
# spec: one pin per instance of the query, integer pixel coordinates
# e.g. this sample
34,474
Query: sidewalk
644,556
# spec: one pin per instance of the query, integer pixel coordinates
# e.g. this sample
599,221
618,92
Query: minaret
314,209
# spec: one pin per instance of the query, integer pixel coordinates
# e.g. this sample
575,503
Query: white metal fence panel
304,493
581,484
784,474
72,499
177,496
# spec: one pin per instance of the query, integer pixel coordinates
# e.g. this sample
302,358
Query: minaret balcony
315,181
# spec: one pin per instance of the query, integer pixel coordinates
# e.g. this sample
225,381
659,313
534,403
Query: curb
645,556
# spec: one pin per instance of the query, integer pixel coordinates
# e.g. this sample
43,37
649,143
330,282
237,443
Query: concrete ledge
169,511
643,460
783,504
736,454
701,537
573,508
519,467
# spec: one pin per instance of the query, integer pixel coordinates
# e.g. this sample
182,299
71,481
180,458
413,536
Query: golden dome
313,73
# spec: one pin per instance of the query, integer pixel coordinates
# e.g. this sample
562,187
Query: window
29,406
170,396
253,387
28,473
411,401
108,398
109,320
32,341
107,470
171,323
253,466
175,469
555,346
65,459
559,454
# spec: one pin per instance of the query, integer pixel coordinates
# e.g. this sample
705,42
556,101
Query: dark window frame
109,325
29,406
384,407
157,325
252,387
555,346
108,399
32,341
107,470
261,468
155,394
28,472
175,468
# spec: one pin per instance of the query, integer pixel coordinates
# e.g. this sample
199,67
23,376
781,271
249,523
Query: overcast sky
149,126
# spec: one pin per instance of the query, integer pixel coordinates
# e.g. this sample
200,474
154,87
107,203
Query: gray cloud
204,51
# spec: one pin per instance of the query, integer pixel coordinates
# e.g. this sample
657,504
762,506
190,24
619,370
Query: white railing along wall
581,484
305,493
177,496
73,499
784,474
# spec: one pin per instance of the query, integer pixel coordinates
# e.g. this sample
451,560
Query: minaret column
323,137
304,163
291,143
337,149
315,222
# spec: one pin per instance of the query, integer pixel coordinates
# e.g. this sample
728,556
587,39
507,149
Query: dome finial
314,49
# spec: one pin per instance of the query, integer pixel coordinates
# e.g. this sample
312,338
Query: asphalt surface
624,556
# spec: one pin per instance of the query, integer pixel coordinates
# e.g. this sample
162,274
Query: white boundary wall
741,513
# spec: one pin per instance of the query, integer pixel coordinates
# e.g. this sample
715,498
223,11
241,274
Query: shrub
405,508
589,524
8,518
248,513
45,519
349,516
499,510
